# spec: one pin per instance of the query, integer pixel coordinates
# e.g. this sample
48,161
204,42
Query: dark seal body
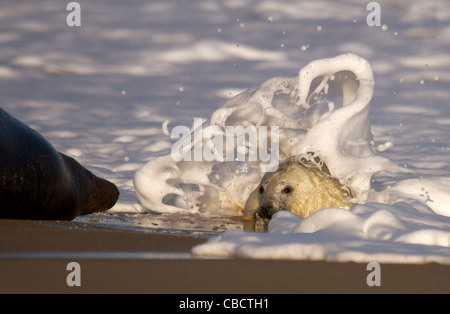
37,182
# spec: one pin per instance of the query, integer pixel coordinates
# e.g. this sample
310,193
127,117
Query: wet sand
34,256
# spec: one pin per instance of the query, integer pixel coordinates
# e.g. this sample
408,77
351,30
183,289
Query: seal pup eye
287,190
261,190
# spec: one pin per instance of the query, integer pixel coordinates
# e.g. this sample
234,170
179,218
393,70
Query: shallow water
174,224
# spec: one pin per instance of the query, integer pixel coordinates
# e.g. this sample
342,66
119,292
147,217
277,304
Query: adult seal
37,182
300,186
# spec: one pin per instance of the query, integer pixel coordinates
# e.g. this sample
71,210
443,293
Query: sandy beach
110,92
34,256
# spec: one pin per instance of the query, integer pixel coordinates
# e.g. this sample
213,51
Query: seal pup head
299,186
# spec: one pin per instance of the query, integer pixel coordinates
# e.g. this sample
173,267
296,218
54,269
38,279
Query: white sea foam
400,233
325,110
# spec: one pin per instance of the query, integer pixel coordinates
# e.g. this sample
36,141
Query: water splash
324,110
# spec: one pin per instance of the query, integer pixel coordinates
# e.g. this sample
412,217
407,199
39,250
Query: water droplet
330,106
384,27
165,131
304,47
436,78
318,28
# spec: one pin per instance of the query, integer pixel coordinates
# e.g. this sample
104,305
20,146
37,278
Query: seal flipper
252,204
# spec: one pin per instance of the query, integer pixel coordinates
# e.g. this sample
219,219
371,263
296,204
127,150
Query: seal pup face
289,188
299,187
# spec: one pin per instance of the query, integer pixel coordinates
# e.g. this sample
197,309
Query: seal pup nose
265,211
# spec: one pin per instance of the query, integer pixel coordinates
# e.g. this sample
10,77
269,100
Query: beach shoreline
35,257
